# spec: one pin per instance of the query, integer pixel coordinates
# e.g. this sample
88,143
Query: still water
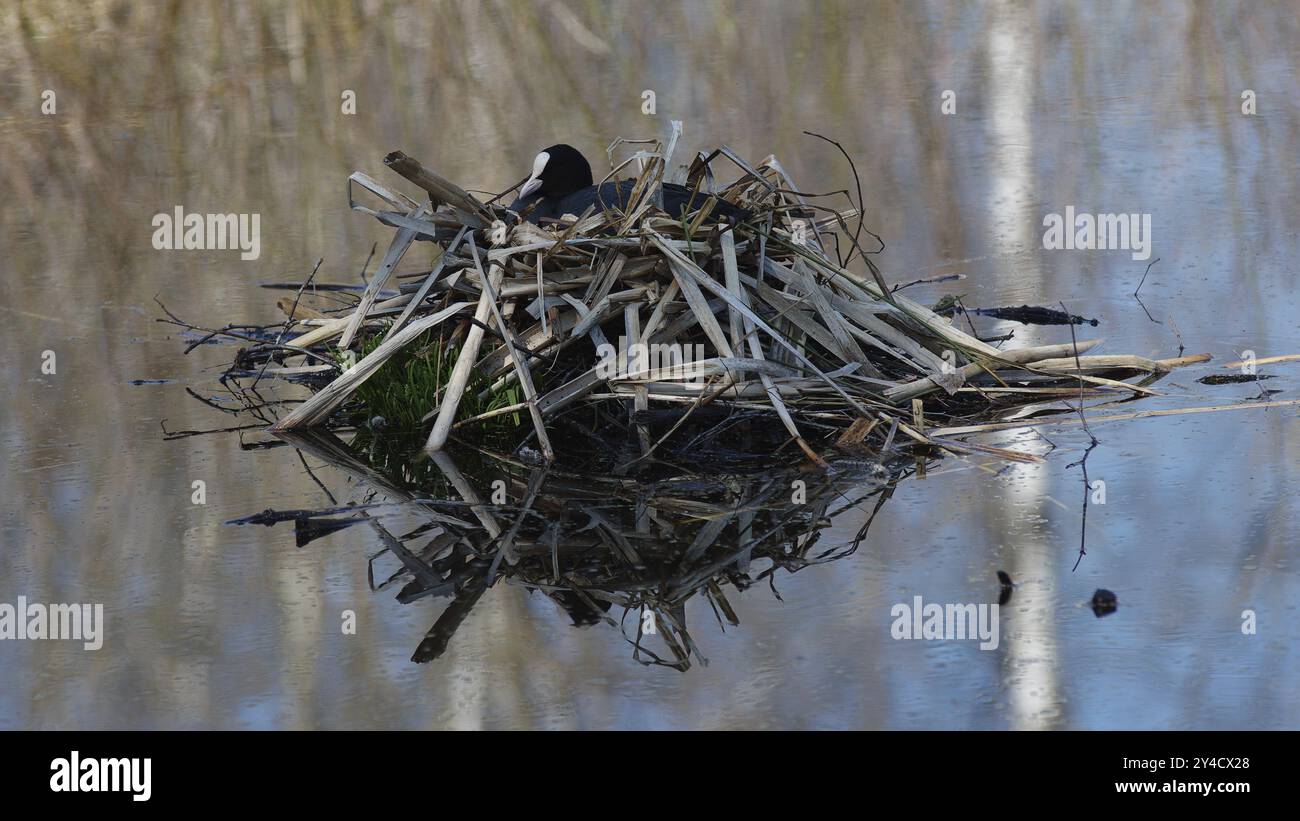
230,107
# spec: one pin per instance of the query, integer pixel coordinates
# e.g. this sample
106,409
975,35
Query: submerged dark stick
365,264
1144,275
1082,463
1143,304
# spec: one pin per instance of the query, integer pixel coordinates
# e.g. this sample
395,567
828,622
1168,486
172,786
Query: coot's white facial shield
535,181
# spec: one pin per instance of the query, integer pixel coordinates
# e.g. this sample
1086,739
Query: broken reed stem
495,275
461,374
1115,417
440,189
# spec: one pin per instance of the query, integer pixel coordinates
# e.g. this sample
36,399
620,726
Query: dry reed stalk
463,370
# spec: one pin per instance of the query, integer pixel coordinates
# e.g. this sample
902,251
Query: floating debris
1233,378
270,516
1029,315
310,528
1104,603
1008,587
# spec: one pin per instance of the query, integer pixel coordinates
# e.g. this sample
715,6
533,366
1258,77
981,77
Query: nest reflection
626,551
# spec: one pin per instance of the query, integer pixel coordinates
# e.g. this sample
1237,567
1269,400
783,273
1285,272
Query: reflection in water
1031,660
593,542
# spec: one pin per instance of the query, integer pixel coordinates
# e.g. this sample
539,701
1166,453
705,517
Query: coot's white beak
535,181
532,185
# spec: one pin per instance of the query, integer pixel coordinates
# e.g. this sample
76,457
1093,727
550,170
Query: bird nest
641,326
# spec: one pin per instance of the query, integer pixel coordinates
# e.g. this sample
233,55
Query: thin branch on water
1144,275
289,320
183,434
1082,463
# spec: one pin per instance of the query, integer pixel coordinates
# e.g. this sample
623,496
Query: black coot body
561,184
616,195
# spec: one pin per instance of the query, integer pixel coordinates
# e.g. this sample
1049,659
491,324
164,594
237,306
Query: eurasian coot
561,184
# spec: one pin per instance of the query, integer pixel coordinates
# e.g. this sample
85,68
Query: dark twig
289,320
1083,462
1144,275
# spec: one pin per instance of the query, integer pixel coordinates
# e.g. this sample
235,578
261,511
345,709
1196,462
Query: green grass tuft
405,388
